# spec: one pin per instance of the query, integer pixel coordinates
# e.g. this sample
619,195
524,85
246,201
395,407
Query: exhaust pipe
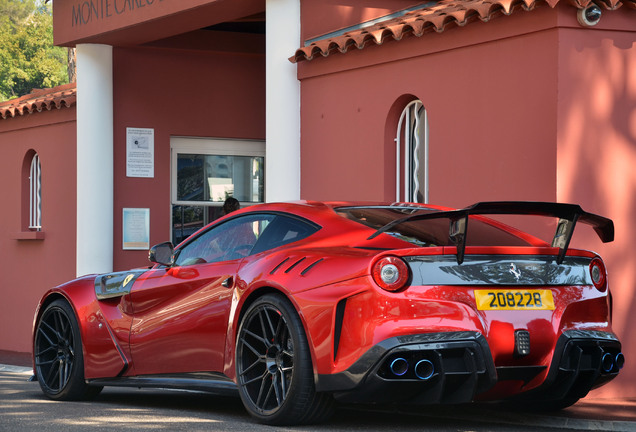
620,360
424,369
607,362
399,366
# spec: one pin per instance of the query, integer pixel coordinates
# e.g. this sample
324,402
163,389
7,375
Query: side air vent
291,267
340,310
280,264
290,264
310,266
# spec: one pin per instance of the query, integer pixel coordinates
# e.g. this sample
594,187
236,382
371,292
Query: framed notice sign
136,229
140,152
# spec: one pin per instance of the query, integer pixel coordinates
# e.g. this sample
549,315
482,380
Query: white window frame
35,194
208,146
412,133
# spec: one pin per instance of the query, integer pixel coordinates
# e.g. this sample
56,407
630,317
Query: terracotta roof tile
40,100
432,18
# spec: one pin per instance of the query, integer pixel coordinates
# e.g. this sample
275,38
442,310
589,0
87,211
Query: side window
412,154
34,197
231,240
284,230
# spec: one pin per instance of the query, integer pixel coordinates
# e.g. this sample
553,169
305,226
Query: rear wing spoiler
568,214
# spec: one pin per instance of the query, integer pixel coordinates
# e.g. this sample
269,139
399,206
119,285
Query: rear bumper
461,368
456,367
579,365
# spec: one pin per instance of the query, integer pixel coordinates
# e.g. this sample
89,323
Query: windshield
429,232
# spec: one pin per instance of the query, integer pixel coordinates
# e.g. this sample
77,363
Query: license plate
514,299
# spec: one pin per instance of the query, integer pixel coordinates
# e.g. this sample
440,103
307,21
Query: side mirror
161,254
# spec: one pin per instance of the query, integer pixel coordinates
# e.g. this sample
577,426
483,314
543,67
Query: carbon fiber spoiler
568,214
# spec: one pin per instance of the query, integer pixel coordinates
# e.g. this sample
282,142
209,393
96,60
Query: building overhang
136,22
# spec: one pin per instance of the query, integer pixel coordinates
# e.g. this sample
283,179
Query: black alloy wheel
273,366
59,363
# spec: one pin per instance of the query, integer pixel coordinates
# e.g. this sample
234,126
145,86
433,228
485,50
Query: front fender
104,355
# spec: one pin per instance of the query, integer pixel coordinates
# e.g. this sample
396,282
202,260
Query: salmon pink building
180,104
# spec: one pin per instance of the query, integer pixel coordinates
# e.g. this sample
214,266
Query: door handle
227,283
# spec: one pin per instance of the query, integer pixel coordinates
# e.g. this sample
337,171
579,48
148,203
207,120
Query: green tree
28,59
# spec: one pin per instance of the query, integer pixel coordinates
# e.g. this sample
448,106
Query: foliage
28,59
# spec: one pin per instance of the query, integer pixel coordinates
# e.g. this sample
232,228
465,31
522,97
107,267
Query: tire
57,350
273,366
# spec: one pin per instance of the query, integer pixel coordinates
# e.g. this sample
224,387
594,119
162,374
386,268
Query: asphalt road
23,407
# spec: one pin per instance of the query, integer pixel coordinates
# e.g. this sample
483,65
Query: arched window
412,154
35,194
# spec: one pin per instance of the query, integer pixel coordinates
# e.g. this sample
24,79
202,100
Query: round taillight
598,274
390,273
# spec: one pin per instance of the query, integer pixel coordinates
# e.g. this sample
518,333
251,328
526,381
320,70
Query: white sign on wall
140,152
136,229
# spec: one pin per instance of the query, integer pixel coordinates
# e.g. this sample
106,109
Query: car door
180,313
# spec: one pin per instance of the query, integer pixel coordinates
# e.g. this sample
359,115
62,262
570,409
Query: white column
94,159
282,133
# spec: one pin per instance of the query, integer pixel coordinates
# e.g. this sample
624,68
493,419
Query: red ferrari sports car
297,306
